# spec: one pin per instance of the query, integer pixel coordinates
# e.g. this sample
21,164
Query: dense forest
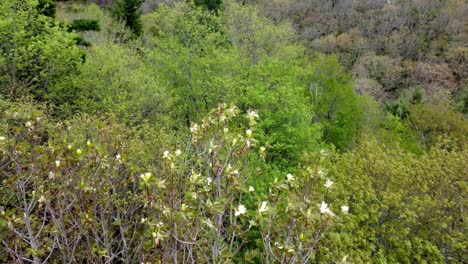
233,131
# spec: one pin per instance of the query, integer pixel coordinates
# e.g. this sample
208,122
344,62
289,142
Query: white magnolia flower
344,209
289,177
240,210
325,210
248,132
251,189
252,114
263,207
178,152
57,163
328,184
2,138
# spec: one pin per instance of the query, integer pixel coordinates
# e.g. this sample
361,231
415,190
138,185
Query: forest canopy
223,131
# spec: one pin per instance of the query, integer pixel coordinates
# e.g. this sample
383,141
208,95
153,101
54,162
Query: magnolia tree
90,189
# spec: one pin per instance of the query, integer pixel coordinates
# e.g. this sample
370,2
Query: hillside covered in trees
233,131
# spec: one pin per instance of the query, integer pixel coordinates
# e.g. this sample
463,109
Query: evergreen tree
129,12
47,7
212,5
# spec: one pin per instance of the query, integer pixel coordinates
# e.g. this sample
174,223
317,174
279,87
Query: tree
403,208
335,103
47,7
212,5
129,12
36,52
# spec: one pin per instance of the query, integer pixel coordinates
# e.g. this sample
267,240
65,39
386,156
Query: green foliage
84,25
205,58
212,5
36,52
336,105
130,158
129,12
47,8
434,120
399,205
114,79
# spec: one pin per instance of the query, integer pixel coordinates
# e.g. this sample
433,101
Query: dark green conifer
129,12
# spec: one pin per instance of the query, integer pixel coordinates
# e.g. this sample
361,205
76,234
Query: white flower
69,147
57,163
262,149
166,154
236,172
51,175
263,207
42,199
226,130
328,184
2,138
344,209
251,189
209,181
194,128
143,220
251,223
145,177
88,143
79,152
252,114
248,132
178,152
28,124
325,210
240,210
291,250
162,184
118,157
289,177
